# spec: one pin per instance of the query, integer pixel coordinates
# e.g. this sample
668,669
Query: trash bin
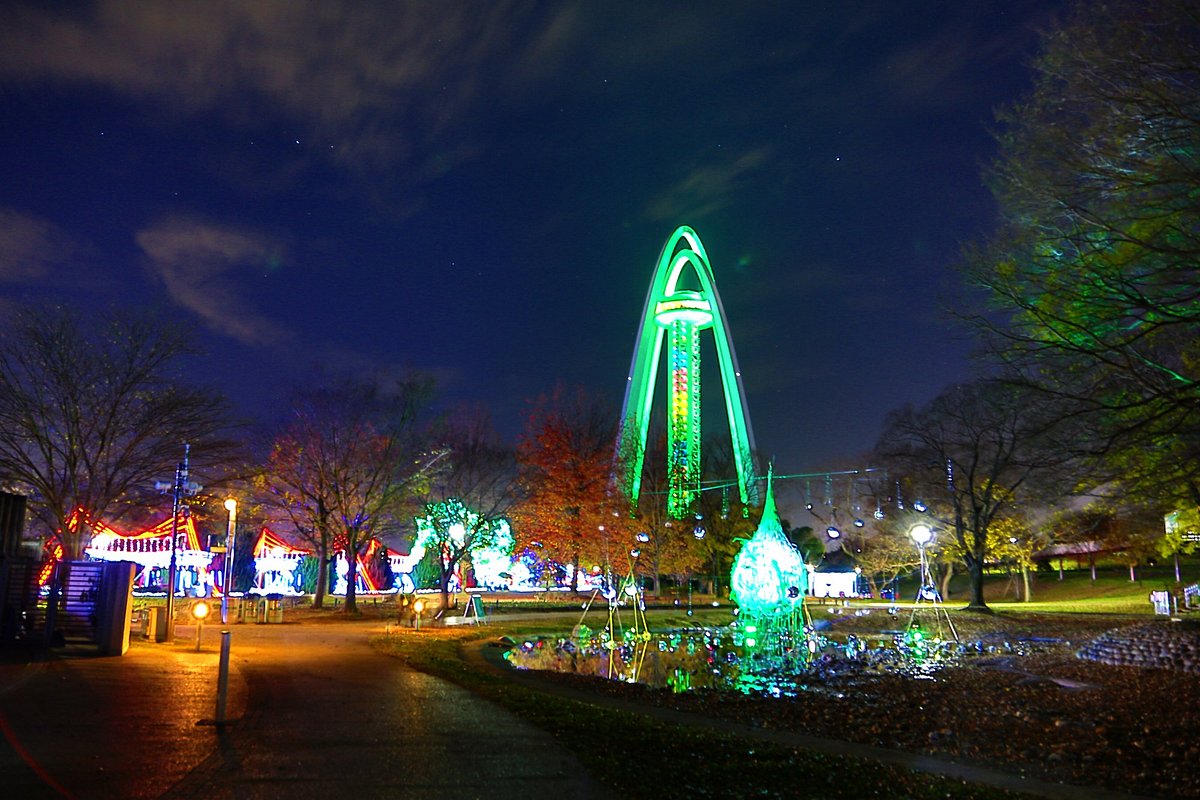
150,623
274,608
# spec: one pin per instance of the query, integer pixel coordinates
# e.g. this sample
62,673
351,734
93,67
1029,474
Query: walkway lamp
199,611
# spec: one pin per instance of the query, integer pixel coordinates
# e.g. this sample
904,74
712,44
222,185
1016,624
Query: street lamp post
922,535
230,539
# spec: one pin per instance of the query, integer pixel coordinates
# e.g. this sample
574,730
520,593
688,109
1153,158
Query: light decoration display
681,314
624,641
150,549
768,583
276,562
927,596
53,553
491,565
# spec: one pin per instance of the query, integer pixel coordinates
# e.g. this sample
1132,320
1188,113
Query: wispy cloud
707,188
199,262
32,250
371,84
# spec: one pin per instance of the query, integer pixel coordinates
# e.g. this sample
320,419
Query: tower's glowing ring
682,314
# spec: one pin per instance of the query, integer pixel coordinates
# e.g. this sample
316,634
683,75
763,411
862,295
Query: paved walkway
314,712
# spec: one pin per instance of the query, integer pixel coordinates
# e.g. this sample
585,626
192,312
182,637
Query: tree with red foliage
569,511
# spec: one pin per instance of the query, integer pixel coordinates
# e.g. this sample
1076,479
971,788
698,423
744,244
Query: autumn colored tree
882,556
569,511
665,546
94,410
1181,535
1014,544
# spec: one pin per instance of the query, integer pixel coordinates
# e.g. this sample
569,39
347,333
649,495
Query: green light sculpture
769,577
768,583
681,314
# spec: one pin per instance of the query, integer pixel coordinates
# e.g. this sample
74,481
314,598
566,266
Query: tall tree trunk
77,542
322,588
1092,563
1177,579
1132,574
323,542
946,576
975,573
351,580
1028,594
447,573
1060,568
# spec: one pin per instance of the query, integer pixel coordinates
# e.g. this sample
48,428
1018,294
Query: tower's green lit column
681,314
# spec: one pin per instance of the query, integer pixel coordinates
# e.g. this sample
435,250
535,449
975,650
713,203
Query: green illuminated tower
679,315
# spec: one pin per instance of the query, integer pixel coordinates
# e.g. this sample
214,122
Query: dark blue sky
480,190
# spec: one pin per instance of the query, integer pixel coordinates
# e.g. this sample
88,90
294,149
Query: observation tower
680,315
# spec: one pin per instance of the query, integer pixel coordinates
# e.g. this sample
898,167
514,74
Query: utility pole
178,489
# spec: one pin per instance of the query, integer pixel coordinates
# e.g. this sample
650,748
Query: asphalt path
313,712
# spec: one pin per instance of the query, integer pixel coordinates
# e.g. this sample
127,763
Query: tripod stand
927,594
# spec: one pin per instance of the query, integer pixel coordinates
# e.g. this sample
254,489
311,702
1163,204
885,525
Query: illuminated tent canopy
150,549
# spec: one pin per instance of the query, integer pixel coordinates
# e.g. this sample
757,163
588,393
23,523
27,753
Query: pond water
721,658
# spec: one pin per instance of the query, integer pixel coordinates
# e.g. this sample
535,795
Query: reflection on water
720,658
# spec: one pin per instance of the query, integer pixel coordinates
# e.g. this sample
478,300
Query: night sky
481,190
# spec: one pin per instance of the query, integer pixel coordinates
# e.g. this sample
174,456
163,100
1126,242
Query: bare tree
349,465
296,483
973,451
93,411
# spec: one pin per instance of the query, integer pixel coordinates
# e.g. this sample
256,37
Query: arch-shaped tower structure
679,315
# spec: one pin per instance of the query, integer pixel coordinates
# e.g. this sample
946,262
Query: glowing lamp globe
921,534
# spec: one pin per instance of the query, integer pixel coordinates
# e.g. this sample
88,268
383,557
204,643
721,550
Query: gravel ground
1034,707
